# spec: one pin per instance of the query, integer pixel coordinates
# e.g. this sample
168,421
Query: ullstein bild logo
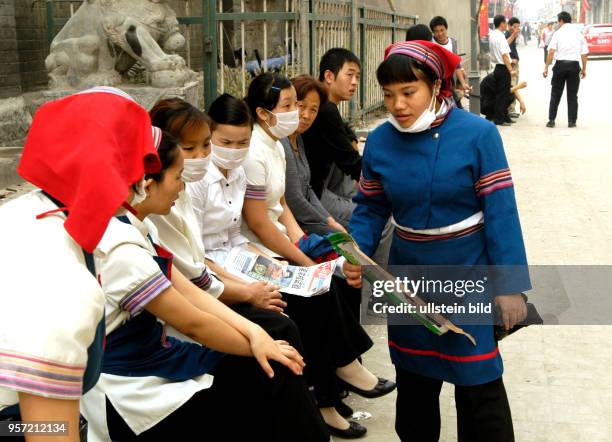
422,286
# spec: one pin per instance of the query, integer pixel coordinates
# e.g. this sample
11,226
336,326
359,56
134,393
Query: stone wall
10,84
31,26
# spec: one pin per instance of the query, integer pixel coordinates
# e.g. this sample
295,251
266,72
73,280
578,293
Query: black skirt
331,335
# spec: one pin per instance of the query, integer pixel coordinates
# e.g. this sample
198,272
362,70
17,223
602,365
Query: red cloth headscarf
86,150
431,54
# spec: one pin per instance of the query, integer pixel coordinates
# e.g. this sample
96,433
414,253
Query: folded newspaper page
345,245
295,280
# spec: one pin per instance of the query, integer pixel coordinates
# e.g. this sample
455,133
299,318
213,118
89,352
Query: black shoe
344,410
503,123
571,124
509,120
382,388
551,123
514,115
354,431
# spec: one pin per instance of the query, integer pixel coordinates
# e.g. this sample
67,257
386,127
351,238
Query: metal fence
237,39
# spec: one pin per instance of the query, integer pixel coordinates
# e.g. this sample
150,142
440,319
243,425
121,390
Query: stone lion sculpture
105,38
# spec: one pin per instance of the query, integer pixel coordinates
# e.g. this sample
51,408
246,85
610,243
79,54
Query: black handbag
532,318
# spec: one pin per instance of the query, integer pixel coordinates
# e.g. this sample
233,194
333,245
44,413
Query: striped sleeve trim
204,281
493,181
39,376
370,187
143,294
255,192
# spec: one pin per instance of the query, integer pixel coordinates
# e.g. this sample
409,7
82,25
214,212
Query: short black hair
334,59
168,152
418,32
398,68
498,20
227,109
264,91
564,16
513,20
438,21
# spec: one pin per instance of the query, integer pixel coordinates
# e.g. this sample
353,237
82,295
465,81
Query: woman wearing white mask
181,230
442,174
335,339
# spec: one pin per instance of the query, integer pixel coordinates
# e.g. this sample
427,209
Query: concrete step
8,171
10,151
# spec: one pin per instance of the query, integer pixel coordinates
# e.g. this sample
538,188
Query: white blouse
131,279
179,233
217,203
50,303
265,174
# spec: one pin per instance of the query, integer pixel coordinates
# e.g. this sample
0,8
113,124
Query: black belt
566,61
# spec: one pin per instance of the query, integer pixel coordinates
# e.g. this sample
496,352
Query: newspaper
438,324
295,280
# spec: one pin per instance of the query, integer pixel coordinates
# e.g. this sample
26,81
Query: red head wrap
86,150
441,61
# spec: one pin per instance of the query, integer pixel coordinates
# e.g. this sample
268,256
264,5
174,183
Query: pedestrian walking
500,55
526,30
547,34
567,47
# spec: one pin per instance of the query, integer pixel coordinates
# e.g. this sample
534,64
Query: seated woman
301,198
155,387
180,233
52,314
335,340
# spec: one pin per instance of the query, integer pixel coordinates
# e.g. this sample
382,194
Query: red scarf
86,150
441,61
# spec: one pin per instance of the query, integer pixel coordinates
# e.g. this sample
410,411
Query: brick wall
32,43
9,68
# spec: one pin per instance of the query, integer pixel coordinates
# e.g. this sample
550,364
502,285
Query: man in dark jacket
331,146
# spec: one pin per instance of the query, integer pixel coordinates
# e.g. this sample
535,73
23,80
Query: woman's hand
266,296
512,309
353,274
335,225
264,348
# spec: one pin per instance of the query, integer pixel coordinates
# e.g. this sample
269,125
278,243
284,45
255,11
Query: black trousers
243,403
545,53
565,72
502,92
483,412
276,325
331,335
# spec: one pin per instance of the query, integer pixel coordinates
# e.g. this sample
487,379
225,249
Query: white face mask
194,169
422,123
140,194
286,123
228,158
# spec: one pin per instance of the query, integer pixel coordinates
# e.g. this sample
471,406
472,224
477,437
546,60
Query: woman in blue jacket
442,174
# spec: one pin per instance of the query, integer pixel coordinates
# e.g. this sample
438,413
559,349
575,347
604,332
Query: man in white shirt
568,47
500,55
